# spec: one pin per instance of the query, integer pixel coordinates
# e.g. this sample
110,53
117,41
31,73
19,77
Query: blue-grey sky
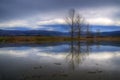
33,13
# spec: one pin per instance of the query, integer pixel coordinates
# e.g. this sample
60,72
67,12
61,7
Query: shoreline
40,39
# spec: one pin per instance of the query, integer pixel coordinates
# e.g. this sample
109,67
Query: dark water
60,61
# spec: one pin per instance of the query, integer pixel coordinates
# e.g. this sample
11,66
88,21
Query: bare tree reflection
78,52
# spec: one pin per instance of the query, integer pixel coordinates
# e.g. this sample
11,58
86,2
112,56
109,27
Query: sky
34,14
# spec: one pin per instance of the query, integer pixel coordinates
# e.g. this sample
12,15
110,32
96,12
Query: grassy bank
39,39
31,39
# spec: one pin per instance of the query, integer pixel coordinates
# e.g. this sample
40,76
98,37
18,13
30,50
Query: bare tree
71,21
98,32
87,31
76,23
79,25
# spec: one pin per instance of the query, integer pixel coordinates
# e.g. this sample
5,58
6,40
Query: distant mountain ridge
49,33
113,33
31,33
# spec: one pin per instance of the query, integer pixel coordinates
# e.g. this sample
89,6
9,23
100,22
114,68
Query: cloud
32,24
14,23
53,21
101,15
101,21
30,13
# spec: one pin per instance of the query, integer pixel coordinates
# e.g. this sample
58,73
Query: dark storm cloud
15,9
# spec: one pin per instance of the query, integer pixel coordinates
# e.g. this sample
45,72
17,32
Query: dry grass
39,39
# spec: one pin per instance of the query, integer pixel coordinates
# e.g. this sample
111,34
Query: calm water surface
60,61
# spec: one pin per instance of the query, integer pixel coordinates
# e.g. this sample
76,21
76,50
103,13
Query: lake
60,61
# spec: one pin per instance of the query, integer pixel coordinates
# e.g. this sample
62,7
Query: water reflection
78,53
67,61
